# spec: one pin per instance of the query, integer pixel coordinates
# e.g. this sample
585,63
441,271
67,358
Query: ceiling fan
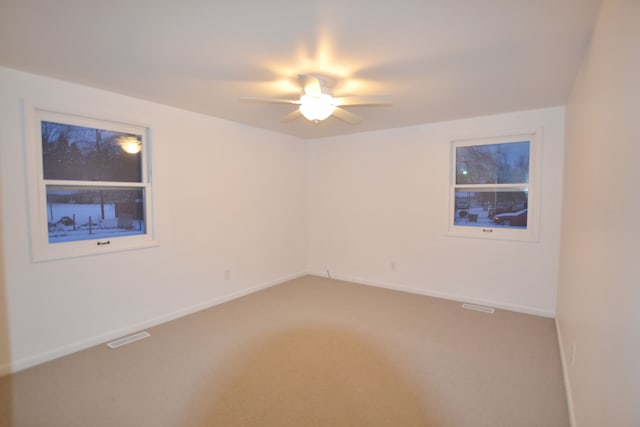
317,103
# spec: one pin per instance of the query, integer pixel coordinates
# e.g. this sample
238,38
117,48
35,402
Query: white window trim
532,232
41,249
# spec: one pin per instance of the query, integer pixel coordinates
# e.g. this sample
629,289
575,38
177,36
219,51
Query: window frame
531,232
41,248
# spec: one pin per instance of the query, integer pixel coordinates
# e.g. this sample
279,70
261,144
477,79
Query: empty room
295,213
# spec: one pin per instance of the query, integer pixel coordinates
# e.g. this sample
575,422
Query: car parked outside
518,219
462,204
506,207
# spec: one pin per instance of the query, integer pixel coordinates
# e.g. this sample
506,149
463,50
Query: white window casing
94,241
470,217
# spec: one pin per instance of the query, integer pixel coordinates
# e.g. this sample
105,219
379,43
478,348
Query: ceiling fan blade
364,100
269,100
311,85
346,116
291,116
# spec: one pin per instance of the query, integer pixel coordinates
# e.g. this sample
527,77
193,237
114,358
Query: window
493,187
89,186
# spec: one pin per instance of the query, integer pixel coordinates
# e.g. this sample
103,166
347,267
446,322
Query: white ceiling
439,59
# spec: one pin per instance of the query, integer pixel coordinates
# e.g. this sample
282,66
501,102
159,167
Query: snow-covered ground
483,219
55,211
60,236
88,222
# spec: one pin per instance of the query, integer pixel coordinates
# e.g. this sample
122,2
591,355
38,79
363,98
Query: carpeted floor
310,352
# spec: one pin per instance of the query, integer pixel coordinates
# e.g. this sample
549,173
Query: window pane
84,213
491,209
506,163
88,154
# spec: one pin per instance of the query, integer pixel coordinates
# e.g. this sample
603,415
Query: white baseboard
565,375
5,369
27,362
430,293
37,359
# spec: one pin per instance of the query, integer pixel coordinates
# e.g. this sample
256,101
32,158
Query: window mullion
97,184
491,187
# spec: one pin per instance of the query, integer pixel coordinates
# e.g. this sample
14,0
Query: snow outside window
493,187
89,186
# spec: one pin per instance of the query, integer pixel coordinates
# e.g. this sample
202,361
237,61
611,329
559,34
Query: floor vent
128,339
482,308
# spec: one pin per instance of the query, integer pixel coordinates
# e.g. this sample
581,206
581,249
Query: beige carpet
310,352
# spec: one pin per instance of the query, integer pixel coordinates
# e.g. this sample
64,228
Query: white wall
599,282
227,196
269,207
382,197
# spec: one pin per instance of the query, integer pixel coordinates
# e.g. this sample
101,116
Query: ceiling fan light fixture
317,104
317,108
